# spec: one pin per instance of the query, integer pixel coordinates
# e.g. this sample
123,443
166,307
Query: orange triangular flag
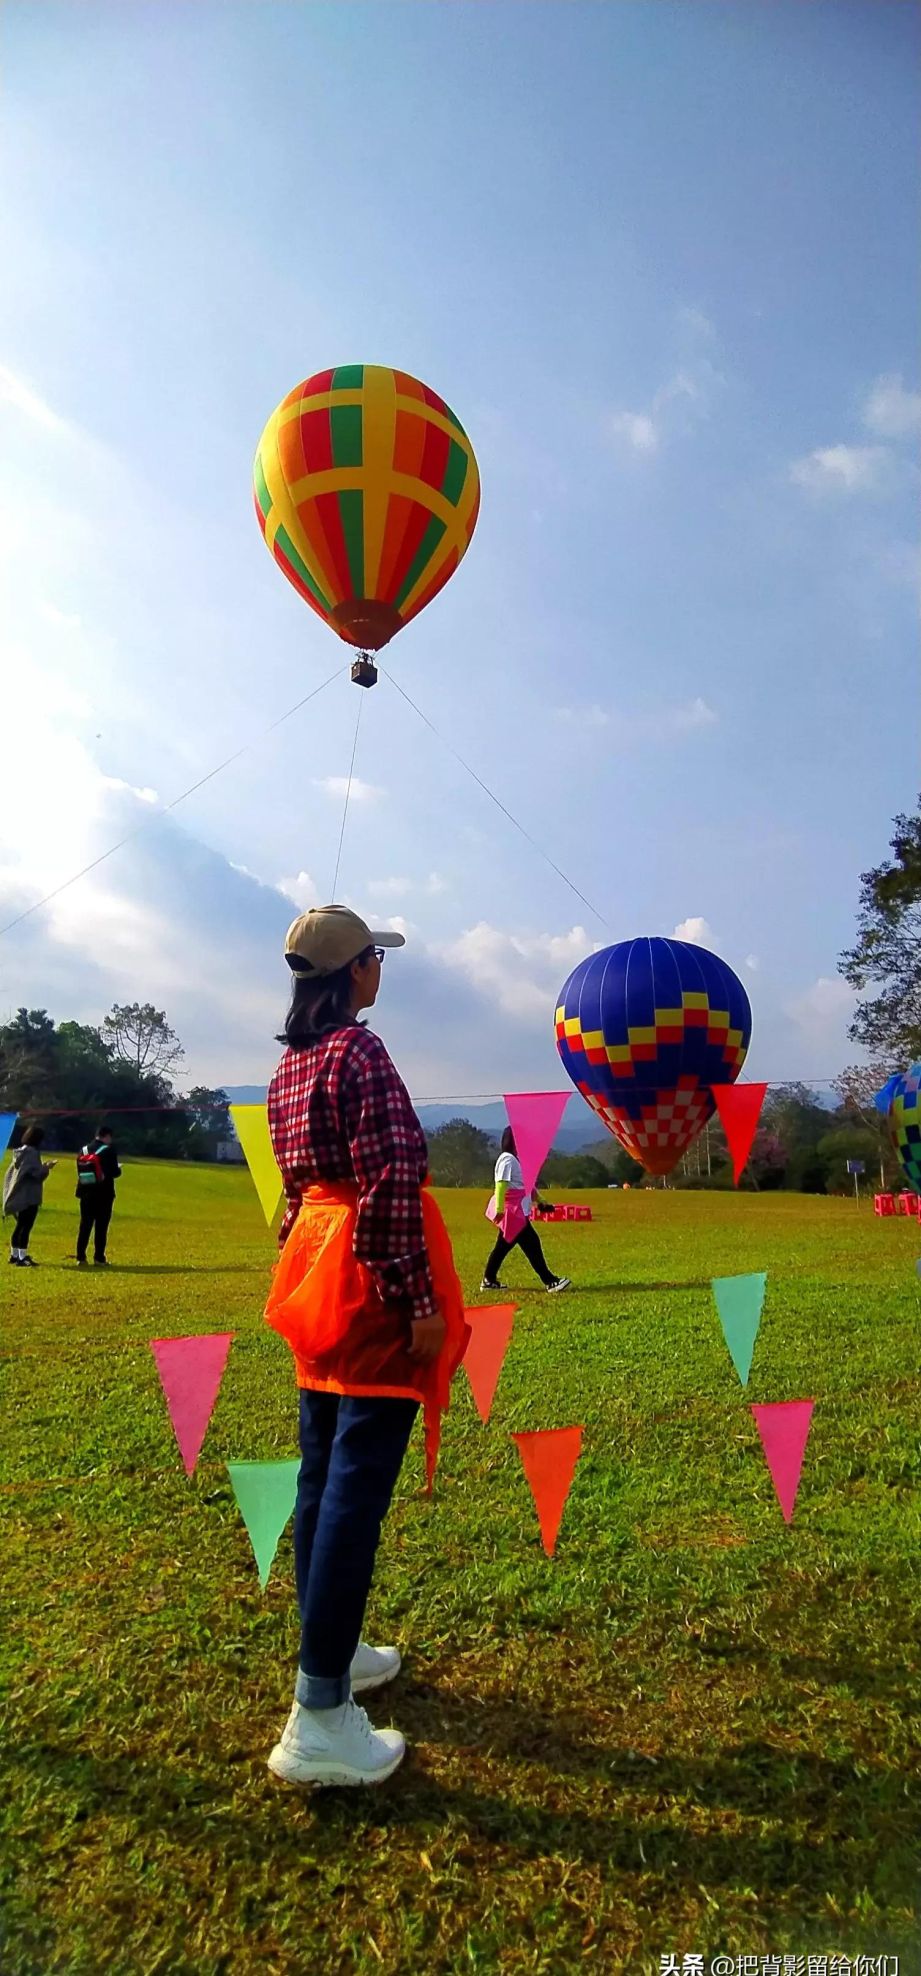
490,1331
739,1107
549,1460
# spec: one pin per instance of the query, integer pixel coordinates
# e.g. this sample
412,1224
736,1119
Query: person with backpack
97,1172
23,1183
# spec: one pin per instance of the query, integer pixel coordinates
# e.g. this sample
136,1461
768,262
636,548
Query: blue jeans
351,1454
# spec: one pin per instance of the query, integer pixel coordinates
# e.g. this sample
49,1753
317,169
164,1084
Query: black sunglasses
379,953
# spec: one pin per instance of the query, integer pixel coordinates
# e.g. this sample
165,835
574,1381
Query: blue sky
662,262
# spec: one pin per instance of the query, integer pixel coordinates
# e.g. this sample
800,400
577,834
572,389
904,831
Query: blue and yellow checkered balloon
904,1119
645,1029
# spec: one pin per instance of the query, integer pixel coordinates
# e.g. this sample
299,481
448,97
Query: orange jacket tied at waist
344,1337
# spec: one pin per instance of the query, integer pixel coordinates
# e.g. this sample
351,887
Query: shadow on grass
691,1283
801,1828
591,1289
168,1268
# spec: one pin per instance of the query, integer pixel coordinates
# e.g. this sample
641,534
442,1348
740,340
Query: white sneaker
373,1667
335,1746
486,1285
561,1283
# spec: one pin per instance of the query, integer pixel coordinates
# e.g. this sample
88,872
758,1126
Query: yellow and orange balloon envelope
367,493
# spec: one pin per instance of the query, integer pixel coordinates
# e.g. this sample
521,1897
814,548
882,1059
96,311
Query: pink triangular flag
191,1370
534,1117
739,1107
784,1429
549,1459
490,1331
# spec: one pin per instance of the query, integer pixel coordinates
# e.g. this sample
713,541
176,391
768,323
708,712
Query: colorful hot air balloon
644,1030
904,1119
367,493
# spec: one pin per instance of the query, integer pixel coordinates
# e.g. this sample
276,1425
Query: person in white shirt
509,1176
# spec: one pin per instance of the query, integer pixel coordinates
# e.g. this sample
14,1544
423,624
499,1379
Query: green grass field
696,1729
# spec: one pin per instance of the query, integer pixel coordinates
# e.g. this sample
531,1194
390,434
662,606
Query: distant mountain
576,1134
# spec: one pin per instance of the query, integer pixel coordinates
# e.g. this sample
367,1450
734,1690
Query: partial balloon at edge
645,1029
904,1121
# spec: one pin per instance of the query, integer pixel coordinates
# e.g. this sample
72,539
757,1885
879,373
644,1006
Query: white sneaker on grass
373,1667
559,1283
486,1285
335,1746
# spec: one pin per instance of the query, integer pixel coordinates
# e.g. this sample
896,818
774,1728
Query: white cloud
900,563
337,785
639,430
842,470
143,795
696,714
822,1008
654,724
697,323
46,840
752,963
682,385
697,931
23,398
65,620
891,410
520,973
399,888
690,389
389,888
301,890
593,716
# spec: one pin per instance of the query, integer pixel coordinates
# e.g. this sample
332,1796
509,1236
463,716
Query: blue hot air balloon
645,1029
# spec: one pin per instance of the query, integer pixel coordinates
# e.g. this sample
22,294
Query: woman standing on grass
23,1184
367,1296
509,1181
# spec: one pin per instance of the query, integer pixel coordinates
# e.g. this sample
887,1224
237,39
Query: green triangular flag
265,1492
740,1301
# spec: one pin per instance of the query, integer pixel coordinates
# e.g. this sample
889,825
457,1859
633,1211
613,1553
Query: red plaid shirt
339,1111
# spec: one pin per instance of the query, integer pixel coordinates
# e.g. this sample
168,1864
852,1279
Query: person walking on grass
97,1172
367,1296
510,1181
23,1184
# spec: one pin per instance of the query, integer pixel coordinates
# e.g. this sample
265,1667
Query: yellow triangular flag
251,1124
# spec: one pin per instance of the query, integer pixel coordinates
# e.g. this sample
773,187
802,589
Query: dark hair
104,1132
33,1135
320,1004
507,1142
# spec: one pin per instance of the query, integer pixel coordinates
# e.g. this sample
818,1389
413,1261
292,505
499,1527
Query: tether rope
495,799
348,791
156,816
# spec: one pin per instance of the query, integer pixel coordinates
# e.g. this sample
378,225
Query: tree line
76,1077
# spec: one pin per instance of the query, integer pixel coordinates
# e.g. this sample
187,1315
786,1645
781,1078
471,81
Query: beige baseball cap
327,938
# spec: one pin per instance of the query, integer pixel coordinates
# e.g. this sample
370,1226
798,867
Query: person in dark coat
22,1192
97,1196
